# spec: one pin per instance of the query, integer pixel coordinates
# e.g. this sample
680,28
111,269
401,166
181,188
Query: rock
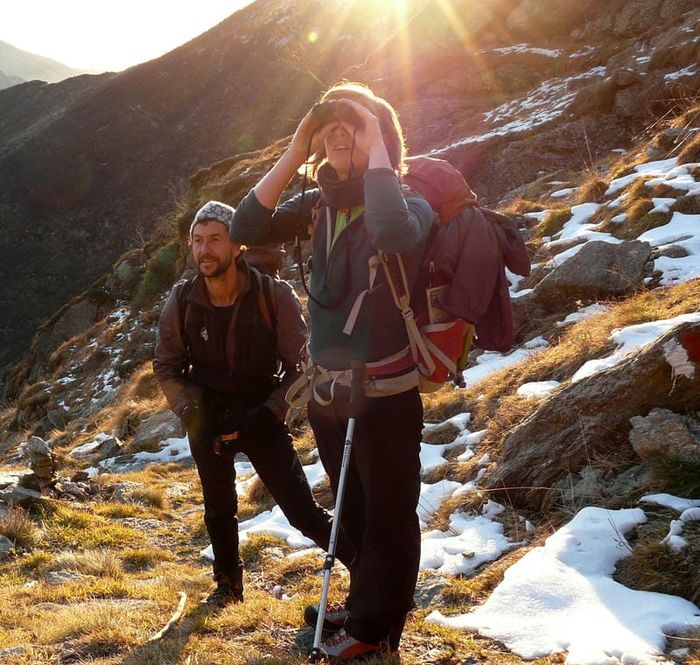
671,251
72,490
665,437
157,428
428,590
56,577
599,269
635,17
20,496
103,445
123,491
41,462
536,16
58,418
593,415
7,548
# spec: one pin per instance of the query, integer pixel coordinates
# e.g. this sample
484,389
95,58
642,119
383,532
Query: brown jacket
219,369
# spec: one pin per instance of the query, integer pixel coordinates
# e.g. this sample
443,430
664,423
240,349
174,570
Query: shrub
160,273
20,529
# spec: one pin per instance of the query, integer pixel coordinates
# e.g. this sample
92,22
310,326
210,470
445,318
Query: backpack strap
267,299
395,272
183,298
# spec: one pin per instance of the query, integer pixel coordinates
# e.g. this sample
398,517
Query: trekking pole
356,390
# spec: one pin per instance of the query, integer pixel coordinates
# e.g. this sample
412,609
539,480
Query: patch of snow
431,498
526,48
537,389
492,361
560,193
584,313
548,101
690,70
561,597
676,503
629,340
648,169
683,230
469,542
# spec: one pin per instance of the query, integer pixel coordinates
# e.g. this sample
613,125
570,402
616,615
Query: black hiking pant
278,466
379,508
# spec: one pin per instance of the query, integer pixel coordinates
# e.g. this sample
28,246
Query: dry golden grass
67,526
124,417
592,189
552,223
521,206
578,343
20,528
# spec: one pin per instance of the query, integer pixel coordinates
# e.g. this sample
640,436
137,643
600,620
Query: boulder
7,548
20,496
593,415
157,428
666,437
599,269
102,446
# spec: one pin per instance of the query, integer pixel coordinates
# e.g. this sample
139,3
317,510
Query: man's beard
221,265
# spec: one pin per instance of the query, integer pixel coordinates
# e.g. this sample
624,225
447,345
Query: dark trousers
379,509
278,466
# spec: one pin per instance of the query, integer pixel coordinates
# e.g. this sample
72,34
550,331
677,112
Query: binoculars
336,109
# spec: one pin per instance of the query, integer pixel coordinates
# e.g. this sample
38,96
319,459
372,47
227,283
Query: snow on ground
540,105
670,501
536,389
561,598
647,170
584,313
492,361
682,231
630,339
431,498
469,542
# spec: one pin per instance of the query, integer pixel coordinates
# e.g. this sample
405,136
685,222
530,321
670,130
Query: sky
108,36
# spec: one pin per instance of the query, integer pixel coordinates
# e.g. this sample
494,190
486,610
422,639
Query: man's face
212,248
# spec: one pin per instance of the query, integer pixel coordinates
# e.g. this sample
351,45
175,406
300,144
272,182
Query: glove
257,423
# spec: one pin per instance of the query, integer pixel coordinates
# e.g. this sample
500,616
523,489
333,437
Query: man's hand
221,441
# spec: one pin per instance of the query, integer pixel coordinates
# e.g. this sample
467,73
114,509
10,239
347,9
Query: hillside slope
561,482
27,66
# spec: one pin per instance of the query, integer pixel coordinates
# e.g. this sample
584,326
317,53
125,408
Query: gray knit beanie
221,212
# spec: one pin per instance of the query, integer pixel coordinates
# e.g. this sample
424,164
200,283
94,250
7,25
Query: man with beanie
228,344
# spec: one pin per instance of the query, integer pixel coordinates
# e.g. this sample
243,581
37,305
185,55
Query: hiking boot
342,646
229,589
224,594
336,616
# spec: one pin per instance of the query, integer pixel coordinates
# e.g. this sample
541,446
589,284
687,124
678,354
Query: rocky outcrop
157,428
598,270
592,415
665,437
553,16
42,464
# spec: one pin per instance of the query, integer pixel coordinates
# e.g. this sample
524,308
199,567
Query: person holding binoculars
353,145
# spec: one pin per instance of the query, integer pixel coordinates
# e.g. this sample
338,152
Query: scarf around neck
340,193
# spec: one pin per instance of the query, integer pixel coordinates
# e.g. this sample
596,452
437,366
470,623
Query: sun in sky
108,36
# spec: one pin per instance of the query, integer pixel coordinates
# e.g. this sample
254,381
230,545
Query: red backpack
440,336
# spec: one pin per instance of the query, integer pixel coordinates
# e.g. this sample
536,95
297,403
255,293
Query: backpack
441,336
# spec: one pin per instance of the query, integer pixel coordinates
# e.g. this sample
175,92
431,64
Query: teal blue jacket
395,220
